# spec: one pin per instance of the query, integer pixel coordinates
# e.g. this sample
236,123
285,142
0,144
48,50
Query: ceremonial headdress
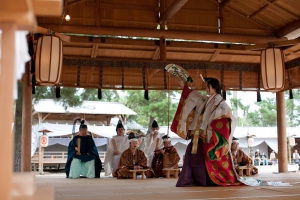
82,125
119,125
166,138
235,140
132,137
154,124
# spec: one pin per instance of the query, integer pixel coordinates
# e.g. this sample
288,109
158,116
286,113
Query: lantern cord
62,17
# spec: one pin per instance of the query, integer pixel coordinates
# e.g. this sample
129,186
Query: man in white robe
153,141
116,146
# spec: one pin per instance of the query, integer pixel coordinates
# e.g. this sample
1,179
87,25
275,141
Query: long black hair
214,83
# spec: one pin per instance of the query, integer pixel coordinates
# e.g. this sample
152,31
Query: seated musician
83,157
240,158
132,159
167,157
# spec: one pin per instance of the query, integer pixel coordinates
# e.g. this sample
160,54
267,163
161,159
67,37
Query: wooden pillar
162,43
163,50
281,133
26,122
7,77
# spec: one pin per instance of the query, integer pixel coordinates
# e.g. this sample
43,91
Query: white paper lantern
250,142
48,60
44,141
272,69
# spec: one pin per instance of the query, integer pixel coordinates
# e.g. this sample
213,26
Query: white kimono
111,161
150,145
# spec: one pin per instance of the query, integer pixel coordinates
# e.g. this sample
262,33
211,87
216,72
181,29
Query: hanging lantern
292,141
250,142
272,69
48,60
44,141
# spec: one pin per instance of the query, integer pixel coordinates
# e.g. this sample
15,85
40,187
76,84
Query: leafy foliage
266,114
72,97
156,106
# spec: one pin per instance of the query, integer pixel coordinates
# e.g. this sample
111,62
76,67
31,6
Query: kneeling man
83,157
167,157
132,158
240,158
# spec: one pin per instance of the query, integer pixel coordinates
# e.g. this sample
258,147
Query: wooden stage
154,188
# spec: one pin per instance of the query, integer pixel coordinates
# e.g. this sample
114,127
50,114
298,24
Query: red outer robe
218,163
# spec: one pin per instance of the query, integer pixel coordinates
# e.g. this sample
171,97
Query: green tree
72,97
293,109
237,104
266,115
156,106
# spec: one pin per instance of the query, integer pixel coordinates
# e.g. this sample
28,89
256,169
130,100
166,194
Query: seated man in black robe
83,157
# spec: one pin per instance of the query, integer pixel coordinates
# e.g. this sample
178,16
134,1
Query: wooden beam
224,3
276,44
262,8
45,31
163,49
98,12
156,54
74,3
187,35
162,6
288,29
94,51
129,7
45,117
213,58
47,7
245,16
153,73
171,11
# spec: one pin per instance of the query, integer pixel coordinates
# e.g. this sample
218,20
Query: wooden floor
154,189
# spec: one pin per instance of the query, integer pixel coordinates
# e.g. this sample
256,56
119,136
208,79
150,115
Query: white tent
264,136
87,107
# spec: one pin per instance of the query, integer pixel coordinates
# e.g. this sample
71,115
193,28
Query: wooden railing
56,159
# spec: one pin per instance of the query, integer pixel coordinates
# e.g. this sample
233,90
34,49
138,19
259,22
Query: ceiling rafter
288,29
224,3
245,16
74,3
262,8
171,11
273,3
